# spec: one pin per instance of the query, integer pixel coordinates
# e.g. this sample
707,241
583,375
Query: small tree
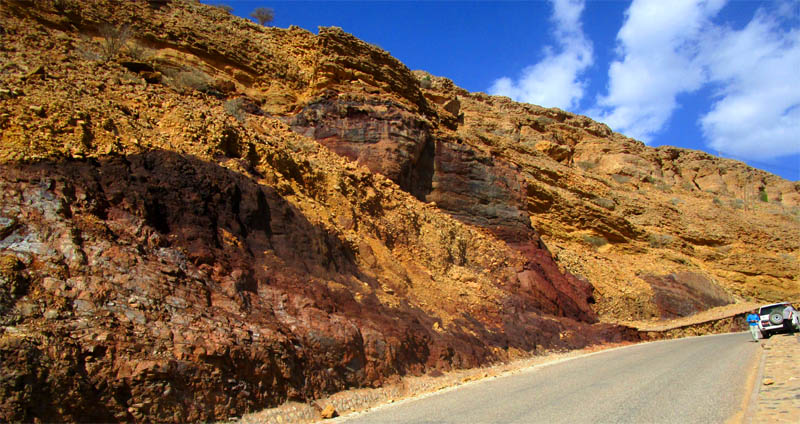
114,38
263,15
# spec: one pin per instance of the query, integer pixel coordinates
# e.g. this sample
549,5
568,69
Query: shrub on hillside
426,82
114,39
657,241
263,15
596,241
191,79
224,8
604,203
235,108
620,179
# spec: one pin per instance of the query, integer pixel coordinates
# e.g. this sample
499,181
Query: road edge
532,368
755,388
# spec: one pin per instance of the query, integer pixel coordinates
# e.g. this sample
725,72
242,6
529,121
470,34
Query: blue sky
716,75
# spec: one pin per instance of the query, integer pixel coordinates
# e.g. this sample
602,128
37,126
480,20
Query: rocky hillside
201,217
660,232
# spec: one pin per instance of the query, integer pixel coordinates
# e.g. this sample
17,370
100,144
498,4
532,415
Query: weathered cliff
626,216
201,216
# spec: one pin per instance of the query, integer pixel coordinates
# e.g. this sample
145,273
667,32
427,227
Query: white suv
778,317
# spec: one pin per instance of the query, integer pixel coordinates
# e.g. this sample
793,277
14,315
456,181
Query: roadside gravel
779,389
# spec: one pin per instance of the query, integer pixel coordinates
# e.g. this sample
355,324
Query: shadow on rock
161,287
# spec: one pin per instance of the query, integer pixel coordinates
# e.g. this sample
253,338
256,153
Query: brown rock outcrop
685,293
613,210
156,275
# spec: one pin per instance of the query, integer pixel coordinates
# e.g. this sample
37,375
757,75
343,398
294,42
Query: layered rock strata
201,217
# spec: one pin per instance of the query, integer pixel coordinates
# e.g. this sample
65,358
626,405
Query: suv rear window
772,309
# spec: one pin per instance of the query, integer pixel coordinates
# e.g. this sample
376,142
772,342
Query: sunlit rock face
215,217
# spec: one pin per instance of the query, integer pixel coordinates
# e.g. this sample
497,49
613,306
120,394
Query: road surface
694,380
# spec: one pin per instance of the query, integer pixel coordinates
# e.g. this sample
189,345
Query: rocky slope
659,232
202,217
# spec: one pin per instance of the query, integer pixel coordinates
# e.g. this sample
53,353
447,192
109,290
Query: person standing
753,319
790,316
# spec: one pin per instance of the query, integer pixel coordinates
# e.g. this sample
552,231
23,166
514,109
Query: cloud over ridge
756,113
669,49
554,81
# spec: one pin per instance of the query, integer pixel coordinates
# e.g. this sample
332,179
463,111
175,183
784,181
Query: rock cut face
221,216
158,275
470,186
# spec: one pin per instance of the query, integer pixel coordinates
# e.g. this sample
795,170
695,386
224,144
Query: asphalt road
694,380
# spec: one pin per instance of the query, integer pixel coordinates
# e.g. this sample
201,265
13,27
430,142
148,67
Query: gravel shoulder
778,398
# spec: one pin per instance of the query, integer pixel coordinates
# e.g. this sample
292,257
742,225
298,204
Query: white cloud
554,81
757,111
670,48
659,45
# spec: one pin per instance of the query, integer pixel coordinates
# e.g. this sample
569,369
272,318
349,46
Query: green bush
762,196
662,186
426,82
795,212
224,8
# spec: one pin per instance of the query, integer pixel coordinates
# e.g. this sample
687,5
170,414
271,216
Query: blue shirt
752,319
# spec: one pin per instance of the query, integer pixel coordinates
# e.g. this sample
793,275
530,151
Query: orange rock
328,412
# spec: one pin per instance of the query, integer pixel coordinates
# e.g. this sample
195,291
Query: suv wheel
776,318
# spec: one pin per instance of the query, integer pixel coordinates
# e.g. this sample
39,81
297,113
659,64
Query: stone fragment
224,86
453,106
37,110
7,226
37,72
242,77
82,306
329,412
27,309
151,77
